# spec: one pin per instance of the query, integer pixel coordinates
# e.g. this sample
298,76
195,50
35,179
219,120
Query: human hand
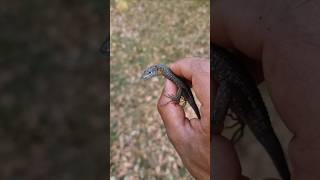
191,138
283,37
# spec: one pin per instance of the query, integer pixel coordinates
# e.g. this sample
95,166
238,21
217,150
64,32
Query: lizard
238,92
183,91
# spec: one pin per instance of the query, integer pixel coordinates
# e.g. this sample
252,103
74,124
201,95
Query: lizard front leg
221,106
175,98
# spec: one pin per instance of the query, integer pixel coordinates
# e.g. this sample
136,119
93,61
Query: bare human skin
284,37
191,138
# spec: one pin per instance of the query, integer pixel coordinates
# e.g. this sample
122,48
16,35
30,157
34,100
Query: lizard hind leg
173,98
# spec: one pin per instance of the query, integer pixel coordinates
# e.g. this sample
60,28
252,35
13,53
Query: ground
143,33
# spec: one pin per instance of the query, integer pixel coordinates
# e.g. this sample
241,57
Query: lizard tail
193,104
266,136
196,110
187,93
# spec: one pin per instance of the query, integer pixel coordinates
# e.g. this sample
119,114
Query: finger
187,67
183,68
172,114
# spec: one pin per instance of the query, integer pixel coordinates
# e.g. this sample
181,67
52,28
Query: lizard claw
173,98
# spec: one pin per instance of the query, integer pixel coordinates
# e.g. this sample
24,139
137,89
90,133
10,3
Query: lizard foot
177,100
173,97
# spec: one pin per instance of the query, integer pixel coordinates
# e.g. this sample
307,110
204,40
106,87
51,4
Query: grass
143,33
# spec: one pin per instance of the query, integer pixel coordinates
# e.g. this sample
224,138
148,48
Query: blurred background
53,90
144,33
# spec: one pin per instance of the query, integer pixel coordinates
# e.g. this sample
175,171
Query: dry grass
146,32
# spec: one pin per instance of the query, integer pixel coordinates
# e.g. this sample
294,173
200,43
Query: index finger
197,71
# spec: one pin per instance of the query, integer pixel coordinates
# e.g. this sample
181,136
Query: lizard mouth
144,77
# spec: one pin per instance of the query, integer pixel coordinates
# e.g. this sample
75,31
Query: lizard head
151,72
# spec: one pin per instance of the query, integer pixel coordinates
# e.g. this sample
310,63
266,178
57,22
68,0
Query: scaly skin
183,89
239,92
